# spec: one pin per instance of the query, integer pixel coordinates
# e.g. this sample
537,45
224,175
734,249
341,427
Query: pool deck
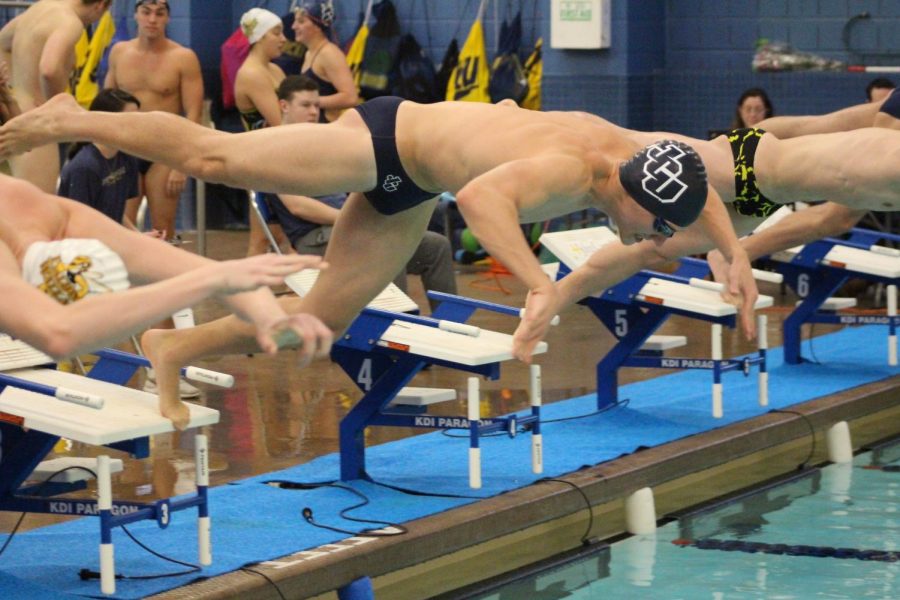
464,545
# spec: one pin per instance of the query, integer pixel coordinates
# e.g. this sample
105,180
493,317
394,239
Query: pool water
829,533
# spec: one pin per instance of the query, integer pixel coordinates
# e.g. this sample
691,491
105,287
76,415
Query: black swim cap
163,3
668,179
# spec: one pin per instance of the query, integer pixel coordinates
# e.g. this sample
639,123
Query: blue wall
675,65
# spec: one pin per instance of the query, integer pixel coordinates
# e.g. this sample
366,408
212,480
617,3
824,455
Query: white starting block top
16,354
431,342
391,298
575,246
693,298
486,347
127,413
881,261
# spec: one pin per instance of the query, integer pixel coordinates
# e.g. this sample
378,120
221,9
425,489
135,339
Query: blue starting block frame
814,280
632,321
381,370
23,450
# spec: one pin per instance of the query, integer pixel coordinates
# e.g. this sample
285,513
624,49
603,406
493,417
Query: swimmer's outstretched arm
853,117
717,225
67,330
615,262
493,205
150,260
802,227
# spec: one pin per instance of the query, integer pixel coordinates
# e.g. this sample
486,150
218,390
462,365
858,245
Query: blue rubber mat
252,522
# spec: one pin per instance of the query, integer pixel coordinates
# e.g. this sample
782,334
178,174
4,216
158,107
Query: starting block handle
82,398
884,250
60,393
706,285
193,373
206,376
451,326
862,246
554,321
461,328
769,276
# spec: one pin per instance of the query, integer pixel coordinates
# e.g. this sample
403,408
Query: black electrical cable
309,517
619,403
13,532
413,492
267,578
585,538
812,350
38,489
812,434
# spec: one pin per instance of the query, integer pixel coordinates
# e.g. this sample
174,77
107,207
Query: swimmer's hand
719,268
303,331
247,274
740,286
540,307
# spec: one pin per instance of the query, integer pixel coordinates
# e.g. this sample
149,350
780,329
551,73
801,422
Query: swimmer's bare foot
157,345
38,126
178,412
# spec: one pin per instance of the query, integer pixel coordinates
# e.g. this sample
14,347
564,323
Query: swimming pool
827,533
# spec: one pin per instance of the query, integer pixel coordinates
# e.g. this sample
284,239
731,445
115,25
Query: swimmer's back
33,28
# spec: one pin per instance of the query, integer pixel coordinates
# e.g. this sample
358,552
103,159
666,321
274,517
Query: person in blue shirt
98,175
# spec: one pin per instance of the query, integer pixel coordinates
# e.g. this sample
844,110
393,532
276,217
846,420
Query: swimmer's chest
155,73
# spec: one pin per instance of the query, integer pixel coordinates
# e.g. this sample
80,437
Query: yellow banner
534,69
469,80
357,51
88,54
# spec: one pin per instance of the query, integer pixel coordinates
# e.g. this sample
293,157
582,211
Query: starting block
635,308
38,406
818,269
383,350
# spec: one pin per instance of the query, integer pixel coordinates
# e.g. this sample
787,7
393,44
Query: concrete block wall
710,46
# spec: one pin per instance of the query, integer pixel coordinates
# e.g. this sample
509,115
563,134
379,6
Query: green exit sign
575,10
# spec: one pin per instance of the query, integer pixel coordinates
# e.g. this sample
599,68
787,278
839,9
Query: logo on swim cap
663,171
391,183
668,179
